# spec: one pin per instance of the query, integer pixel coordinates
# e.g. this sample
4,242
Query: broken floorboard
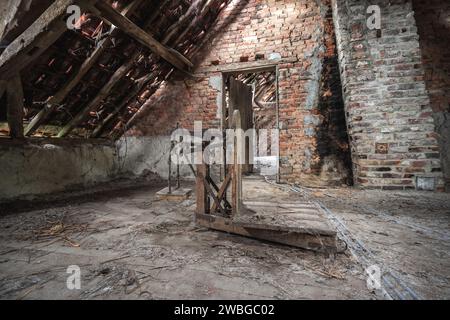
298,224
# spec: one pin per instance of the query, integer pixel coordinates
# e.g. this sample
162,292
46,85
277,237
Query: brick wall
433,21
389,118
388,110
268,29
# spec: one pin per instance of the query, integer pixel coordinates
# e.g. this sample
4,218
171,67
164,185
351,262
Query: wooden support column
236,189
55,100
200,190
114,17
2,88
15,113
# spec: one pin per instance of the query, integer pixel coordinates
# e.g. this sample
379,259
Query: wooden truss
44,32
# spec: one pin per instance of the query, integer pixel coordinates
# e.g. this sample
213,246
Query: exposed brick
386,97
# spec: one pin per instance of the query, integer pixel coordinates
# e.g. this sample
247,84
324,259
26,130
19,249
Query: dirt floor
130,245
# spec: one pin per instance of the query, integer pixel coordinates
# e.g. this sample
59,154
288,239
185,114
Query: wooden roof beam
108,13
104,92
55,100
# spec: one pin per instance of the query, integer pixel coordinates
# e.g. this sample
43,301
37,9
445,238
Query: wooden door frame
273,68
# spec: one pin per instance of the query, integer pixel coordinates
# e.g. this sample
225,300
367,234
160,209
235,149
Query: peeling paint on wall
215,82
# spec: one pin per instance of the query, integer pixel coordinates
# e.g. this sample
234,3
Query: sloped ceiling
178,24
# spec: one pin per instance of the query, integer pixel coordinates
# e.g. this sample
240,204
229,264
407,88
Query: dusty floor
130,245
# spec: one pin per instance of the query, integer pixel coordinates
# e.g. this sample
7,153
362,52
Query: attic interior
225,149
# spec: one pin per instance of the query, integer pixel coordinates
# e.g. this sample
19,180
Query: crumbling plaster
38,168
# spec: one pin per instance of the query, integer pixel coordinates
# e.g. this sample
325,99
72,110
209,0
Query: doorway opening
255,94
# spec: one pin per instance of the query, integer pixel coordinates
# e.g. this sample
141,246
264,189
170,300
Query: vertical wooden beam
236,190
15,112
200,190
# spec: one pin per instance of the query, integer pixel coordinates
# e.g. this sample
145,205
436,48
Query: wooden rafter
200,9
55,100
104,92
111,15
140,83
35,39
188,16
133,93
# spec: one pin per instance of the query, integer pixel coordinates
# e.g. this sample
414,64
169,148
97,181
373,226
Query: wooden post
200,190
15,113
236,193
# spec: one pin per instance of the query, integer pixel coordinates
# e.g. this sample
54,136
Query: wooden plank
252,66
175,195
179,26
114,17
311,227
296,238
15,112
2,88
104,92
9,10
282,205
55,100
200,190
131,122
35,39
